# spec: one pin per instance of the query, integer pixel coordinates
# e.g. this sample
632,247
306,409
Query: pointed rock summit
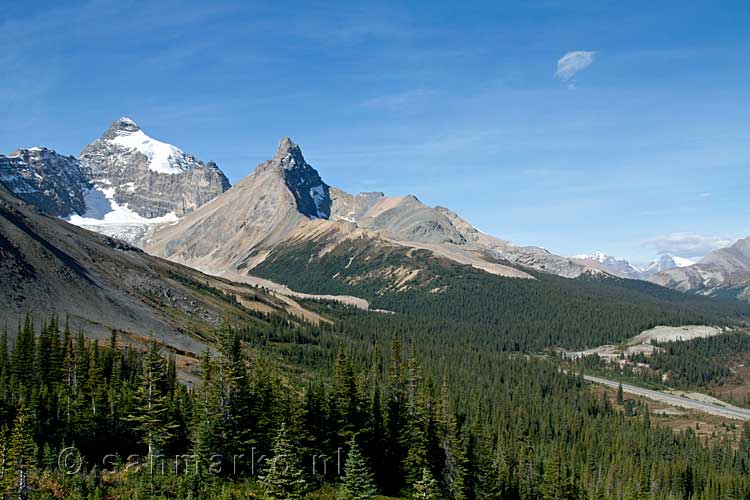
284,202
311,194
260,211
288,150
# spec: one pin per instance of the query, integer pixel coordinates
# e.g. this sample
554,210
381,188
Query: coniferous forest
355,409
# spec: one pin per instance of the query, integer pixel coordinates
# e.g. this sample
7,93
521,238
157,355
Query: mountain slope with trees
500,313
406,422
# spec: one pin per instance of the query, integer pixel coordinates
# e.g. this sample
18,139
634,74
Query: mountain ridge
624,269
723,272
235,231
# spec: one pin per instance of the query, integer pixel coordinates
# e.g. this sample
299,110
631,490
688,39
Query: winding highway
724,410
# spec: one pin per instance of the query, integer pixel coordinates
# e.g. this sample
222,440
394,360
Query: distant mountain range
723,272
624,269
151,194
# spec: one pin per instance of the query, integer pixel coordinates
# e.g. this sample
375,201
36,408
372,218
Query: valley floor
690,401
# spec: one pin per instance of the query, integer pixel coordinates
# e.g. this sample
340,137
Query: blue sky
645,149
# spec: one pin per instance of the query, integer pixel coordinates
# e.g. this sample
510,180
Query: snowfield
163,158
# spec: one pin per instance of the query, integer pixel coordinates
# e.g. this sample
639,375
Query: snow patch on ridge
318,195
163,158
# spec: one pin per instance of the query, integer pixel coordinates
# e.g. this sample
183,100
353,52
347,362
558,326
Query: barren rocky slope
49,266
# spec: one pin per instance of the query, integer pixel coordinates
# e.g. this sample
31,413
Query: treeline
702,361
503,314
682,364
410,420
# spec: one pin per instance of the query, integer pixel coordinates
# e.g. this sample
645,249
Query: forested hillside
698,363
503,313
411,420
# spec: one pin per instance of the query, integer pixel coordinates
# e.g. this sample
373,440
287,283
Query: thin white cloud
688,245
573,62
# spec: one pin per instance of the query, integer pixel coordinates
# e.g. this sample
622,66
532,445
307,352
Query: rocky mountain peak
149,177
125,124
27,153
666,262
287,146
289,155
311,195
55,183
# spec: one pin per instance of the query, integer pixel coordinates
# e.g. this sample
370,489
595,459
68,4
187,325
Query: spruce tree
283,477
358,483
345,402
22,361
22,449
151,413
205,438
427,488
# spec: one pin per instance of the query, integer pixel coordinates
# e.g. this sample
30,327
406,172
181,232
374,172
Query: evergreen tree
427,487
23,354
22,448
205,436
394,416
345,402
151,412
283,478
358,481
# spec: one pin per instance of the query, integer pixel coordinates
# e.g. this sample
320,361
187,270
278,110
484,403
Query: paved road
725,410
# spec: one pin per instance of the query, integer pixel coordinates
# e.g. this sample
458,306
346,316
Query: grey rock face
53,182
352,208
311,194
408,220
153,178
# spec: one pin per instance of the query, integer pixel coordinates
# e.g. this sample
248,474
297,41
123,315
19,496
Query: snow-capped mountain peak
666,262
600,257
612,265
125,124
124,182
683,262
162,158
152,178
